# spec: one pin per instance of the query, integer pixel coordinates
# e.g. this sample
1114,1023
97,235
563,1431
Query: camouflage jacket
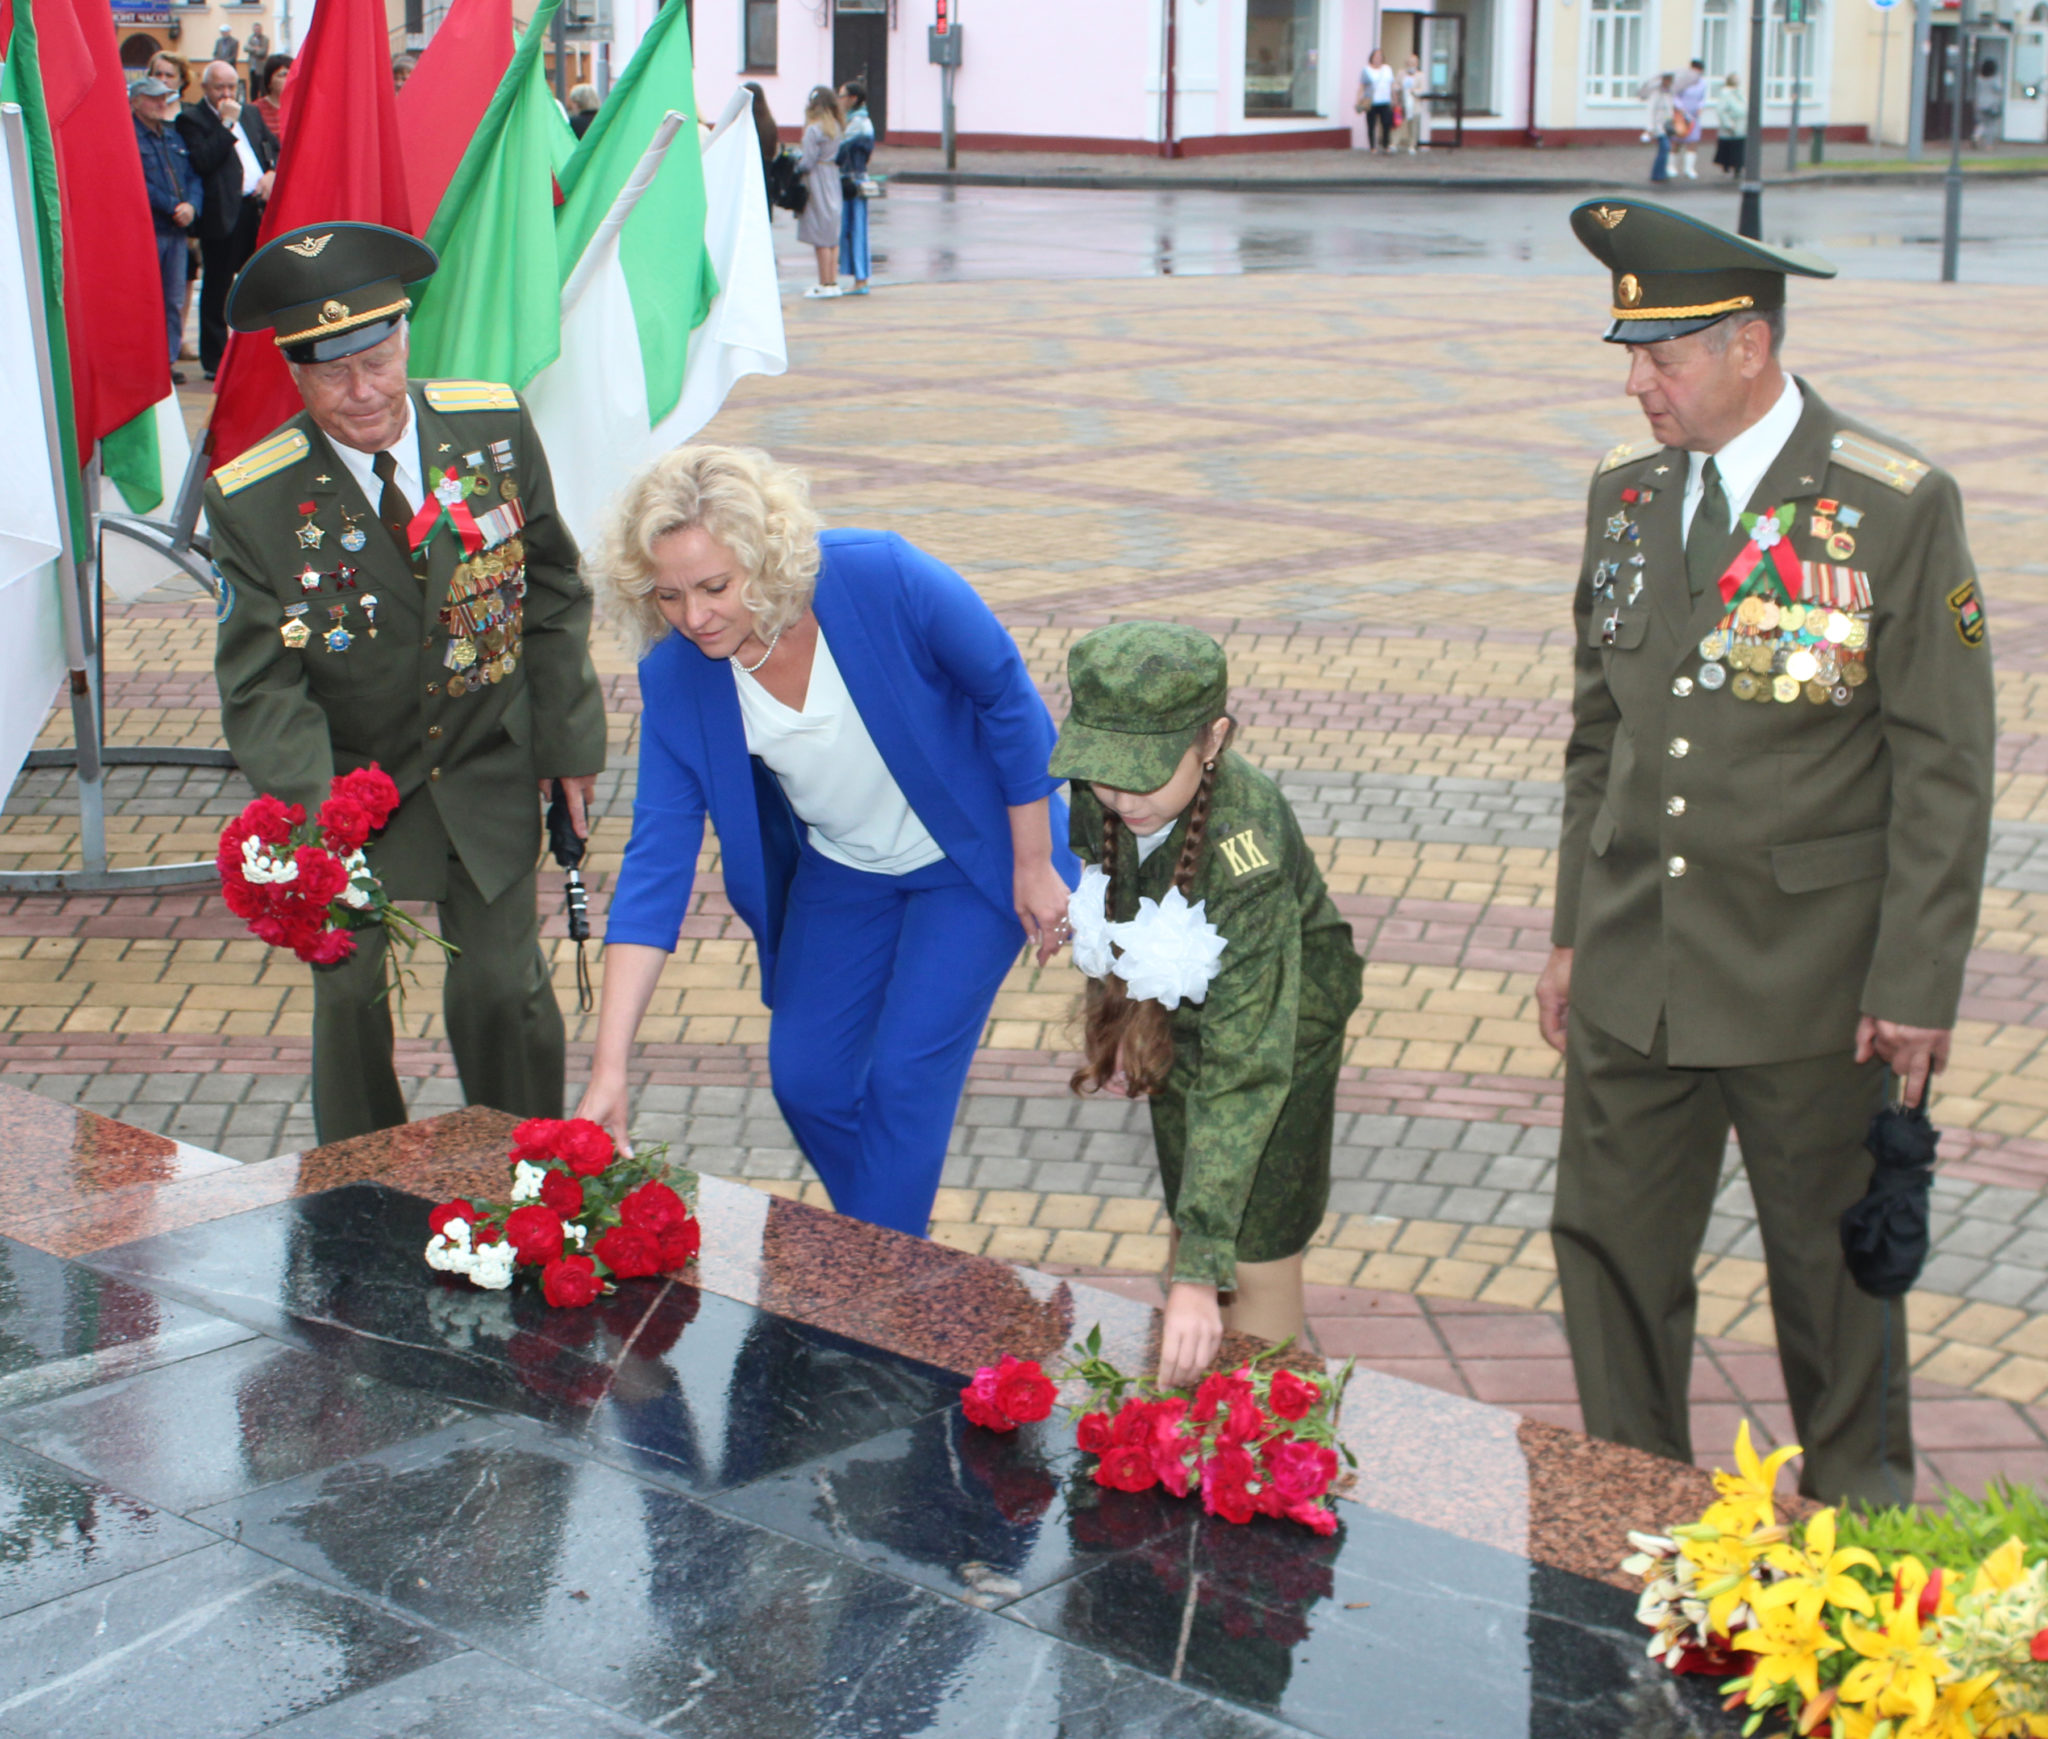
1290,971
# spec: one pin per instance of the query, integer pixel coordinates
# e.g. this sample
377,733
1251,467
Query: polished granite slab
262,1464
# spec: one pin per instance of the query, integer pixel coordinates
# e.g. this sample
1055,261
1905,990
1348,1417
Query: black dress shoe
177,377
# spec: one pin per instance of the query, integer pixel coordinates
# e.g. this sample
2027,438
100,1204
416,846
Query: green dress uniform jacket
1244,1123
1757,874
467,678
467,765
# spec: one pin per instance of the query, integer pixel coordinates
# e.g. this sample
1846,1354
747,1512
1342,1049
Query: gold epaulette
1868,458
1621,455
265,459
471,395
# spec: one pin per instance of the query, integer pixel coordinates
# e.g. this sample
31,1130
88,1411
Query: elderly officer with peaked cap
396,587
1776,812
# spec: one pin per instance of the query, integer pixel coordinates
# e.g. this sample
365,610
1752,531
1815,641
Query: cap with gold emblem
1674,274
329,290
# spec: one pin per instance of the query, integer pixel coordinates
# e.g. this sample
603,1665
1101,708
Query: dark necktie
391,503
1703,543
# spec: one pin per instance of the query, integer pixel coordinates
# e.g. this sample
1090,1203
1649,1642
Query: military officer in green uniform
1240,1058
396,587
1776,811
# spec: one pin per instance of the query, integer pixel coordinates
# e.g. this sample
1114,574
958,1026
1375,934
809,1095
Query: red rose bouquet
580,1213
305,885
1257,1441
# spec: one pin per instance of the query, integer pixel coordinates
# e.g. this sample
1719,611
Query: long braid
1116,1031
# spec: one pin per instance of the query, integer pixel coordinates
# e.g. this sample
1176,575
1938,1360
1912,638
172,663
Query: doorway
1940,114
860,50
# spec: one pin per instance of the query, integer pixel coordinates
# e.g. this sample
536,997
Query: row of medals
1777,652
483,614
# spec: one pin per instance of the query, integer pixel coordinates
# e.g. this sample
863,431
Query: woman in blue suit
865,738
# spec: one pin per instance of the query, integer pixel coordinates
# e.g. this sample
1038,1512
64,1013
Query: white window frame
1727,19
1616,31
1813,57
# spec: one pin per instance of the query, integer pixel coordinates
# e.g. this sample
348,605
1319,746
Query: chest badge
1241,852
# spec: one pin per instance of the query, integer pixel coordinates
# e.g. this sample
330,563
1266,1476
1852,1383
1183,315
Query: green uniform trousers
1638,1166
503,1022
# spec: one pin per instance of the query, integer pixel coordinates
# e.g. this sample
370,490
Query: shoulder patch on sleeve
1622,455
265,459
1244,853
1968,610
471,395
1869,458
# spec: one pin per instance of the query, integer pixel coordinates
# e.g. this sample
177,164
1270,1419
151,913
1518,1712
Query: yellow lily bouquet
1829,1640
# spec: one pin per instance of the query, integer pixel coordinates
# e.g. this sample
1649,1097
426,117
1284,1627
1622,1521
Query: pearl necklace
763,659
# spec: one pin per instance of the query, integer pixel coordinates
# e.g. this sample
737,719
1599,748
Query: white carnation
261,864
1088,917
491,1267
450,1255
1170,951
574,1233
360,881
526,1181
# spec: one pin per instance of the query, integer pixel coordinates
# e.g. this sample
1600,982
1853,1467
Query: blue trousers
882,987
1660,165
853,241
172,259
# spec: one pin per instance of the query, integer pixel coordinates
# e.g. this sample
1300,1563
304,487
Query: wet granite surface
262,1471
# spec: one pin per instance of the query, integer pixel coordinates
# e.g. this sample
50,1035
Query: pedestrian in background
270,93
1690,94
225,47
1376,102
235,157
402,65
1731,116
582,108
854,151
175,195
1663,111
817,159
1414,106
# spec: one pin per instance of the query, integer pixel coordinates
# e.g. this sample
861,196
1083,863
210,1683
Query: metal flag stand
78,586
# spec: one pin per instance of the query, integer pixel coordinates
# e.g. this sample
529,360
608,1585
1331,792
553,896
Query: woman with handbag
1376,102
854,151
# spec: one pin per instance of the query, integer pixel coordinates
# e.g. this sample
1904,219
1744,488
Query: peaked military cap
1141,692
1675,274
329,290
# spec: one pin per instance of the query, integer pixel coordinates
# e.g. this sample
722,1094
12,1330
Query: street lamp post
1751,222
1952,205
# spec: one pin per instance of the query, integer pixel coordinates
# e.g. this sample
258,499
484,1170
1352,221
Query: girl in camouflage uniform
1242,1072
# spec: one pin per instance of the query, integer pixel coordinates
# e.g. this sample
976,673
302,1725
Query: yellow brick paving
1369,488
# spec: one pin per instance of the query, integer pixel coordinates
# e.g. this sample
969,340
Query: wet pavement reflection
927,235
379,1502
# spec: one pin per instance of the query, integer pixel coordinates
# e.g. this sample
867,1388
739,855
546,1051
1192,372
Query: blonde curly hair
758,510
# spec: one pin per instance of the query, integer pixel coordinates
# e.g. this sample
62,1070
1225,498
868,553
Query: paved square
1372,489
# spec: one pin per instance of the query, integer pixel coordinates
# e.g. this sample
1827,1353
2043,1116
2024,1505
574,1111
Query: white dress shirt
833,775
1743,462
406,450
252,169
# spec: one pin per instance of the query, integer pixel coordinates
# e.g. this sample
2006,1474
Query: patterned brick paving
1374,498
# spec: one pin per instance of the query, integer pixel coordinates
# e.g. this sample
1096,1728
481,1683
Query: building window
1778,53
1281,43
1614,51
1719,39
760,24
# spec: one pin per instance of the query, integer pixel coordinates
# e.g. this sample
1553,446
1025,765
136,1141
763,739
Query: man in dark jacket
175,195
235,155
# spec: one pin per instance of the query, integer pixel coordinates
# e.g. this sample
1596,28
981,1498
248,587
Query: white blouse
833,775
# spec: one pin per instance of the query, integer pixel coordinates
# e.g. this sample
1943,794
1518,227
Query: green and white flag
493,310
593,405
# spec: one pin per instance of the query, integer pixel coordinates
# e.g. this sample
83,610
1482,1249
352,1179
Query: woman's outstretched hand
606,1103
1042,906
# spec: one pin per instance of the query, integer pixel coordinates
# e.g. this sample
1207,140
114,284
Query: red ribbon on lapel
1739,578
430,515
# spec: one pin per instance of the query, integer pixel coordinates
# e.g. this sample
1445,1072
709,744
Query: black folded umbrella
1884,1236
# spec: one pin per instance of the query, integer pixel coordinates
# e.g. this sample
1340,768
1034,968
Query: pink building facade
1093,75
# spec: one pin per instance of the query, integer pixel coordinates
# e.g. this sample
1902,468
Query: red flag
343,167
113,297
445,98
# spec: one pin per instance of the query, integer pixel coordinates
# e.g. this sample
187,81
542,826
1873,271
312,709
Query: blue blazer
940,686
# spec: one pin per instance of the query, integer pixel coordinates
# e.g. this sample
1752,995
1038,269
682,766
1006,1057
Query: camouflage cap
1141,691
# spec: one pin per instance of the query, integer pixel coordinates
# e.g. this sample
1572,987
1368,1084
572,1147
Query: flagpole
629,196
78,595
